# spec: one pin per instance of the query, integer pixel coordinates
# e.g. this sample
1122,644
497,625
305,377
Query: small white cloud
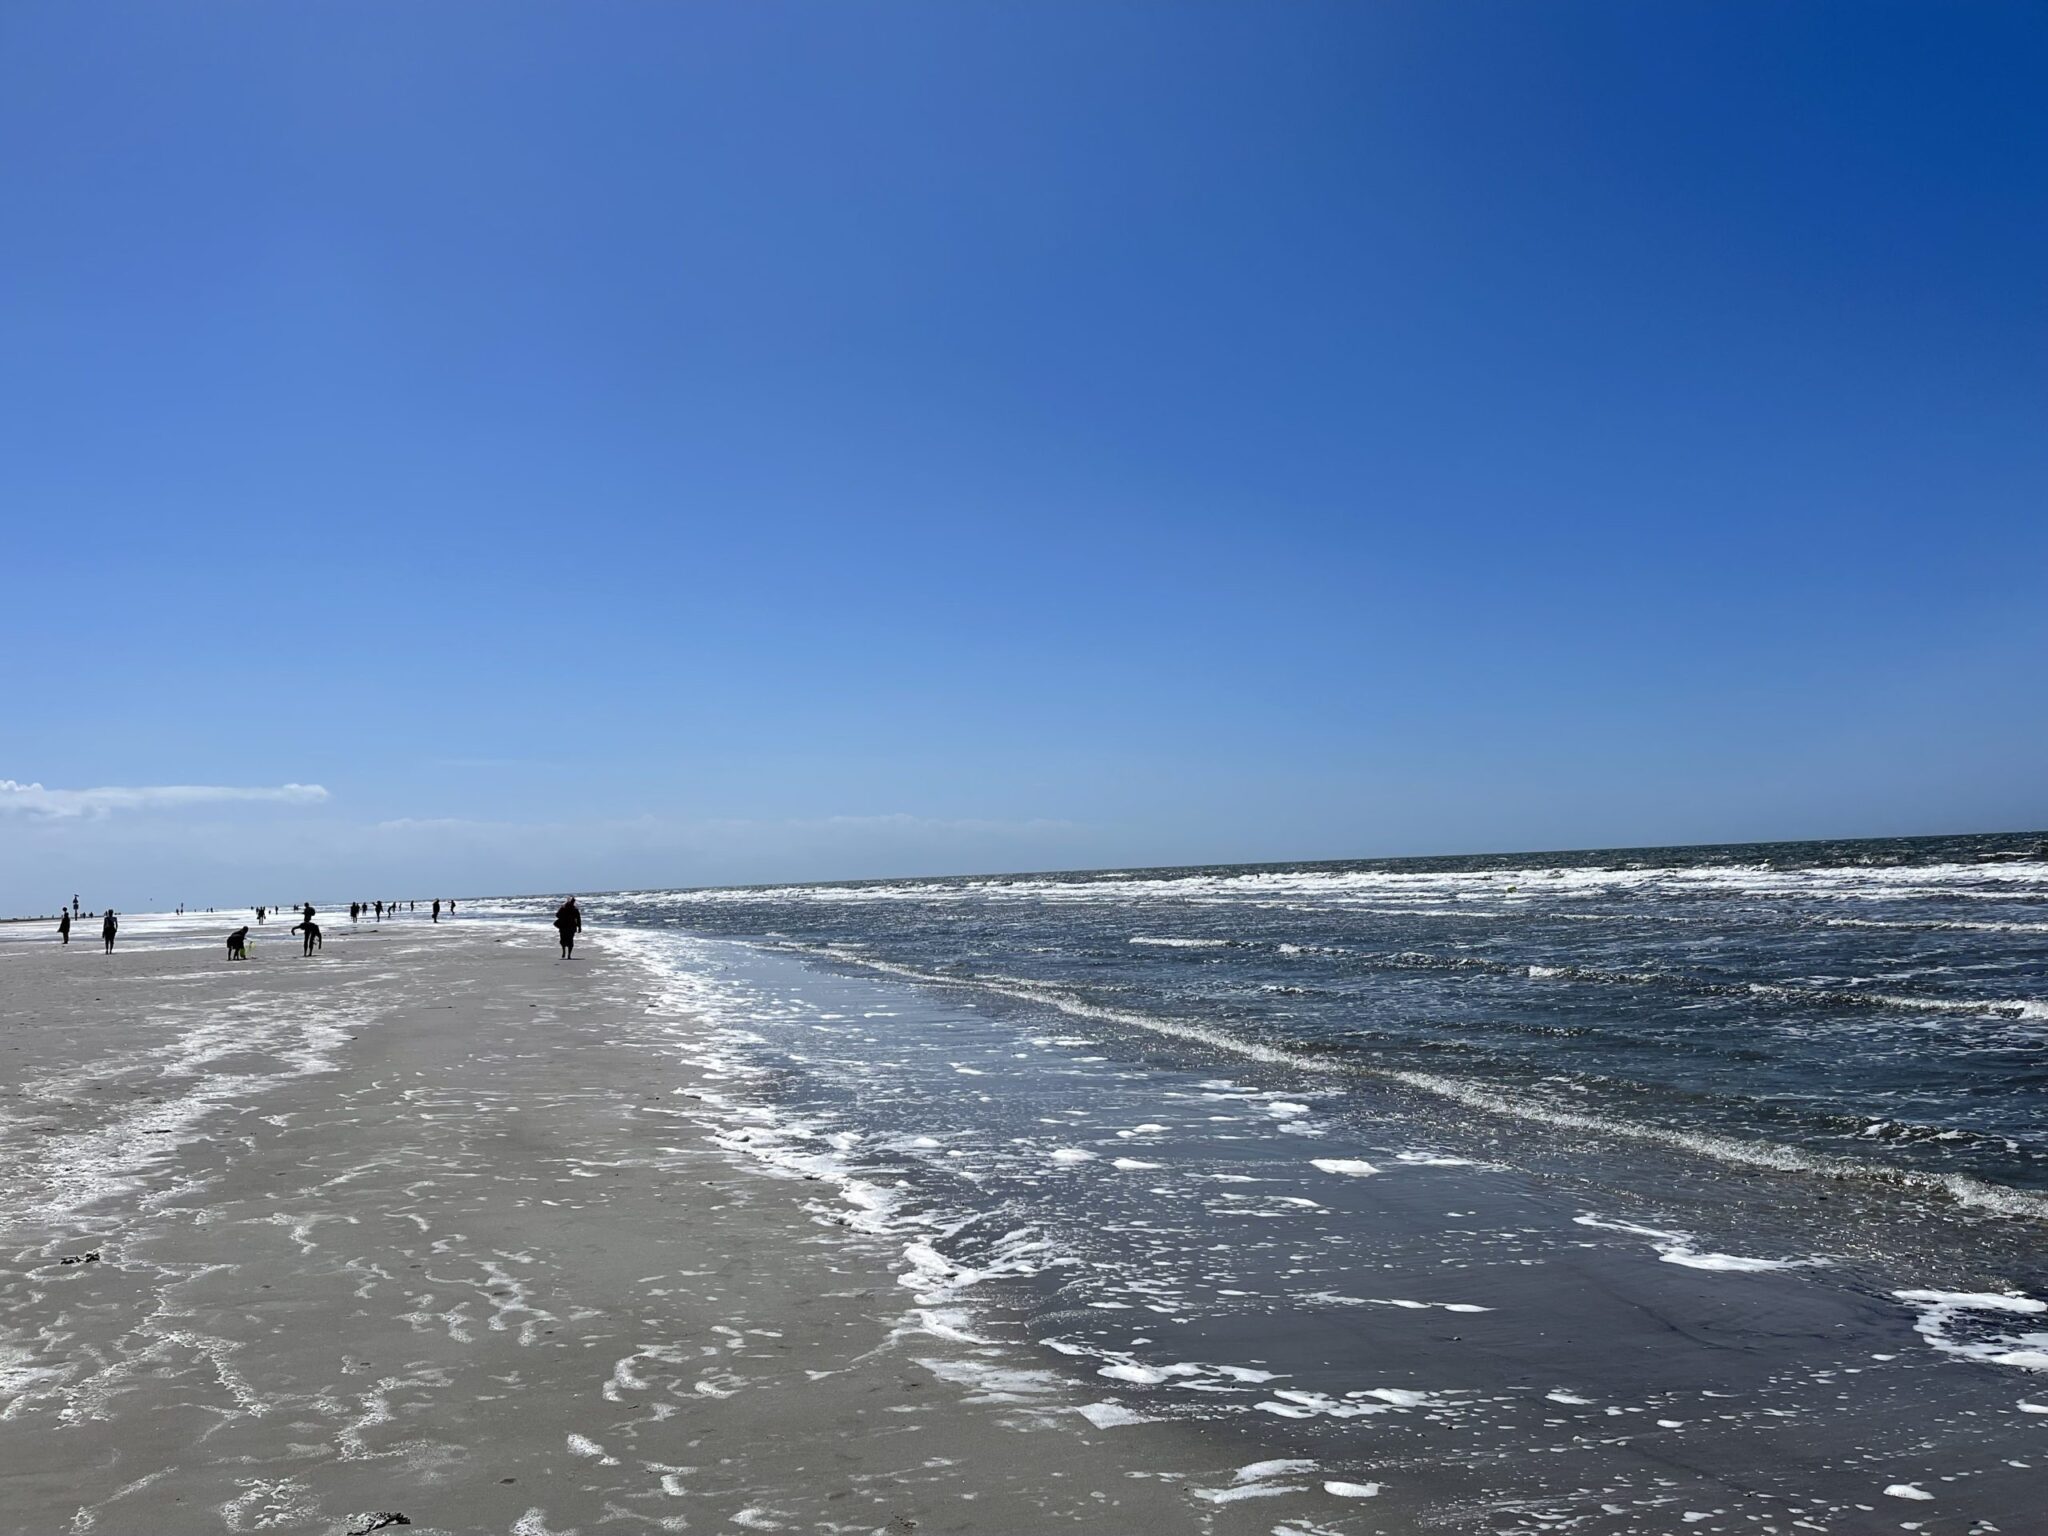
35,800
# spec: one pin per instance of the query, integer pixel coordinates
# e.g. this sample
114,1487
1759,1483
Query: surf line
1977,1194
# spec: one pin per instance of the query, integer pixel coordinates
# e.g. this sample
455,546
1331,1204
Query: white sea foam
1289,1404
1111,1415
1335,1299
1259,1480
1353,1167
1981,1325
1430,889
1978,1194
1682,1248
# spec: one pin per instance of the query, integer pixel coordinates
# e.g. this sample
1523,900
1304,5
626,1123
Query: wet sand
435,1226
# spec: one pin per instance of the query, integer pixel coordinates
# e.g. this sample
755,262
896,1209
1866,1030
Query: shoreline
697,1232
436,1226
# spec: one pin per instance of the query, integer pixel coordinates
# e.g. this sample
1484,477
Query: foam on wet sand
440,1228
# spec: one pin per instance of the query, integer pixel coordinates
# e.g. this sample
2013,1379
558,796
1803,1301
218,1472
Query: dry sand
434,1225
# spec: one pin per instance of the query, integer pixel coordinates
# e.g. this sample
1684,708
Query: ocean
1563,1184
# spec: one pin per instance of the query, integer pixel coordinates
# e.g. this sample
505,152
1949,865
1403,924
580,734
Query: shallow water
1879,1002
1559,1188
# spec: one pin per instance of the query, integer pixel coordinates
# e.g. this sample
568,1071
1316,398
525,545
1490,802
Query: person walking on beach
380,911
238,943
109,926
64,924
437,910
569,923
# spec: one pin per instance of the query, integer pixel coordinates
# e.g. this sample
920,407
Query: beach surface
434,1229
1113,1203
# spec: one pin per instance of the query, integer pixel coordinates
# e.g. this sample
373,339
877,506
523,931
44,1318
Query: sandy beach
436,1230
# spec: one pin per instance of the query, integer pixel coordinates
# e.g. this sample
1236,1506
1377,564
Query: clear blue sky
668,444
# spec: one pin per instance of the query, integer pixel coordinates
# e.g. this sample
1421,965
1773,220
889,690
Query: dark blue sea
1582,1191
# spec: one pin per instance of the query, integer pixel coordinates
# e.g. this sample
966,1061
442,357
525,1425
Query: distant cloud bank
35,800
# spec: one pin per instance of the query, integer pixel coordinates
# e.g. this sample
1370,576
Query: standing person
305,913
569,923
354,910
380,911
64,924
74,903
437,910
109,926
259,914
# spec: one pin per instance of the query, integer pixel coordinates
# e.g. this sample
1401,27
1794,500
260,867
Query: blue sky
676,444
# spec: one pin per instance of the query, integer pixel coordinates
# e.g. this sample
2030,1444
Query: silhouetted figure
259,914
569,923
74,903
312,932
238,943
437,911
109,926
64,924
355,910
380,911
451,906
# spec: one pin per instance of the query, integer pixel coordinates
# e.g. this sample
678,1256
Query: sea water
1617,1157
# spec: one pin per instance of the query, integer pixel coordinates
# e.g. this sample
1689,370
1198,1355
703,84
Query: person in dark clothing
312,932
355,910
569,923
437,911
238,943
64,924
259,914
109,926
380,911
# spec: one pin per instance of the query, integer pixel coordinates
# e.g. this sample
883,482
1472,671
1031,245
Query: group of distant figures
109,924
568,922
238,941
